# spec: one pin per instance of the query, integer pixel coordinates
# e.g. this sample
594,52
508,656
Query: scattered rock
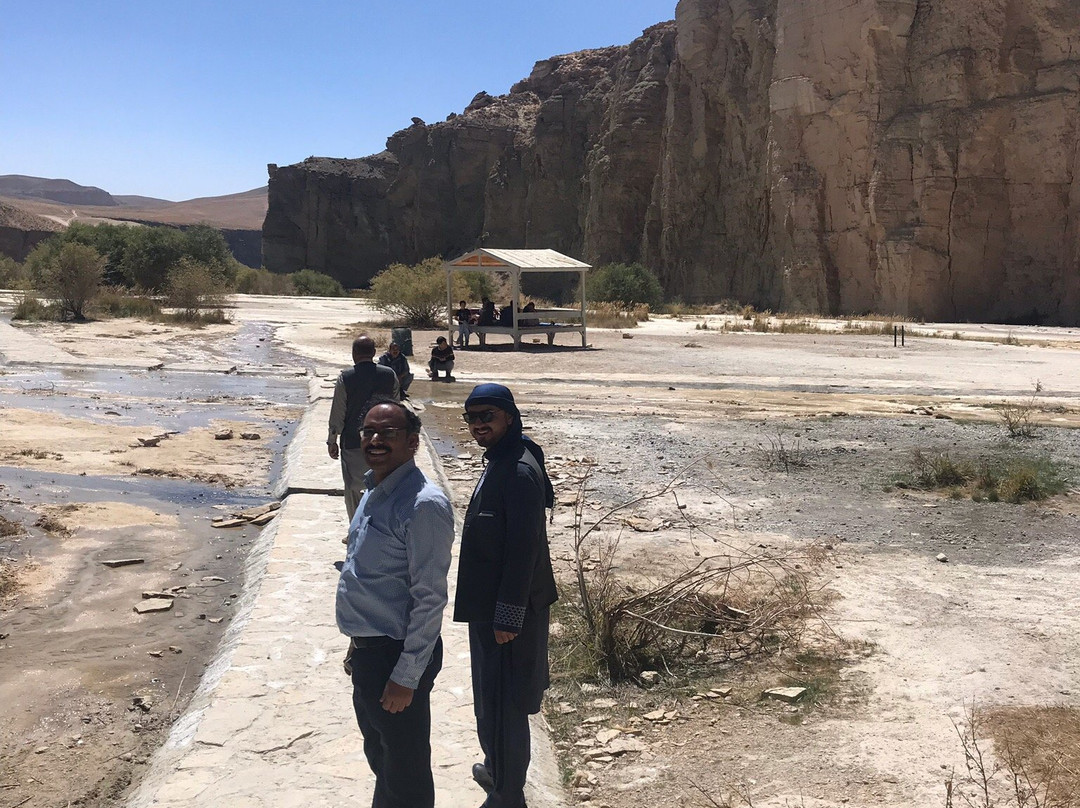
627,336
623,745
604,704
154,605
785,694
250,436
223,434
650,677
227,521
655,715
158,366
606,735
41,750
150,442
123,562
944,559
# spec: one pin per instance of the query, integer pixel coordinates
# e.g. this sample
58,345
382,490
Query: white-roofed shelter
515,263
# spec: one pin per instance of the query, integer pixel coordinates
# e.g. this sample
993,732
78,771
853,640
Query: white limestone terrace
271,723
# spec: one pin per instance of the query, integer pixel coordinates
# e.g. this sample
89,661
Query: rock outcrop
911,157
20,231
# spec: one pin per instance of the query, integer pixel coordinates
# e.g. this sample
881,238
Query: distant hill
26,201
242,211
66,192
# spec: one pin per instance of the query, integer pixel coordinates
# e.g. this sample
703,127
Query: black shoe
450,378
482,777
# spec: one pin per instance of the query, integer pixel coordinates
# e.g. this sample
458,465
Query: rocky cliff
914,157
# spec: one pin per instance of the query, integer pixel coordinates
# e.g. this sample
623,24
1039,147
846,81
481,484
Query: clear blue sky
185,99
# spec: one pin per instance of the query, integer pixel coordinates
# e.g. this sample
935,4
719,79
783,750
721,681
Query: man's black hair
412,420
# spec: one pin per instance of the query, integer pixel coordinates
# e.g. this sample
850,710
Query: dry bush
720,609
616,315
9,527
1036,765
51,525
9,578
1018,416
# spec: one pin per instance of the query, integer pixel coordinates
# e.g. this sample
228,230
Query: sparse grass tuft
995,477
196,318
121,303
617,315
781,455
9,527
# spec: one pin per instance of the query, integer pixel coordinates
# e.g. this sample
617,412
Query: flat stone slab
785,694
154,605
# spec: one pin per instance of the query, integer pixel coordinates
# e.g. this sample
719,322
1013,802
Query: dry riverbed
902,644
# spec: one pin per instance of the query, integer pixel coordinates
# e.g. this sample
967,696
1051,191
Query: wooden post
449,304
581,276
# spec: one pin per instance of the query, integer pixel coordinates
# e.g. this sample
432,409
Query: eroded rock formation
916,157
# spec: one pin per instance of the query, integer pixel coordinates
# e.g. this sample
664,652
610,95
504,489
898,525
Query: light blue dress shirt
393,581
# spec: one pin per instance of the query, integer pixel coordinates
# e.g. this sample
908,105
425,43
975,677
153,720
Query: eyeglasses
484,416
387,432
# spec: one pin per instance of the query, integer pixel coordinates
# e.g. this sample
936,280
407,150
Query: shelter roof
524,260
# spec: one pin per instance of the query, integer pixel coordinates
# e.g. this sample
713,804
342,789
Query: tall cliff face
916,157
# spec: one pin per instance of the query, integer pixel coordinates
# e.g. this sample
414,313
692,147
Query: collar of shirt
385,489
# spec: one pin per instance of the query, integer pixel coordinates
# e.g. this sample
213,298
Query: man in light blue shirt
390,600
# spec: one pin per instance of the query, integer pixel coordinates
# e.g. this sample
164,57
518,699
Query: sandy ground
996,624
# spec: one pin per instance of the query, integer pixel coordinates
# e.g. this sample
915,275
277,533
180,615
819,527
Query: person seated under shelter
506,316
529,321
487,312
442,359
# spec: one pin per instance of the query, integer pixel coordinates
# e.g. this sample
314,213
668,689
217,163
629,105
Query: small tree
191,287
416,294
12,274
310,282
72,278
626,284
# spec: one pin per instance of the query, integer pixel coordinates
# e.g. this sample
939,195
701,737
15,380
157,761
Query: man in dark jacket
505,588
352,390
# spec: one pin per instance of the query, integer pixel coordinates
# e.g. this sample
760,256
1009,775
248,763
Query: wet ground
87,686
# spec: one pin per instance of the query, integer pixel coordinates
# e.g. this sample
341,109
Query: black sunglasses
484,416
387,432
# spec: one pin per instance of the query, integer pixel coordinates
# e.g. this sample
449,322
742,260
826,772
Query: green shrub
481,285
72,278
29,307
415,295
624,283
250,281
316,284
191,287
13,275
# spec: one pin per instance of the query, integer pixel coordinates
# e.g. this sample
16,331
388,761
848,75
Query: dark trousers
397,745
508,683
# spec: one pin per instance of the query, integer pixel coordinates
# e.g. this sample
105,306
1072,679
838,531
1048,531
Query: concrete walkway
271,723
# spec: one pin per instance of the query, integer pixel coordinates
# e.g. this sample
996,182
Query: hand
502,637
395,697
332,450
